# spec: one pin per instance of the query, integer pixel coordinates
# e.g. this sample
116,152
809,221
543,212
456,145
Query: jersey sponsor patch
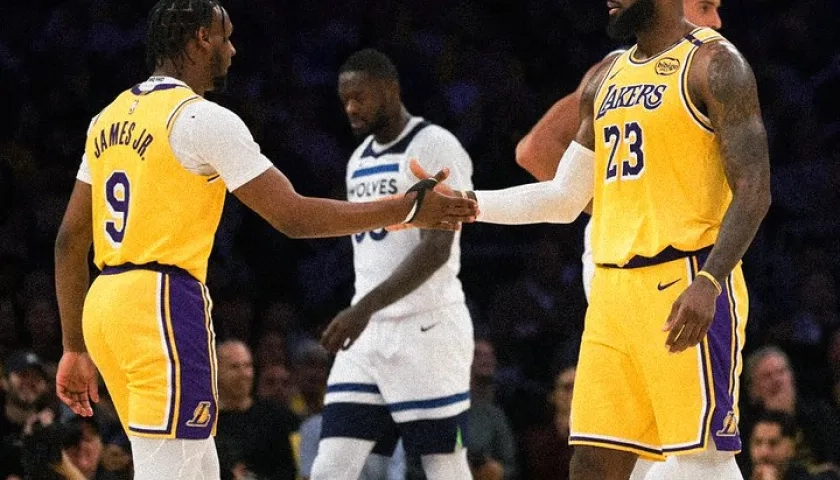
667,66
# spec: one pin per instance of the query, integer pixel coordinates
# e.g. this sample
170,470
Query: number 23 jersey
660,178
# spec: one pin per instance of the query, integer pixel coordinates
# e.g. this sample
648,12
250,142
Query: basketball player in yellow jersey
539,151
672,146
149,197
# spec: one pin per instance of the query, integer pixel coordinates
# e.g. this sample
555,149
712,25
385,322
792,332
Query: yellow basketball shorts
631,394
150,334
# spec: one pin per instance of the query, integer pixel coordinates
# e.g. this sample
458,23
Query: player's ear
393,89
202,36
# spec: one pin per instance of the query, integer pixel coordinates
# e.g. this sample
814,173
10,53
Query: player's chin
360,131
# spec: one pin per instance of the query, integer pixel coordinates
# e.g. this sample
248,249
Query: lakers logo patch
200,416
667,66
730,426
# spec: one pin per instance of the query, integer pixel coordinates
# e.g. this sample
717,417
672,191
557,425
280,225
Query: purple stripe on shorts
720,337
197,409
724,429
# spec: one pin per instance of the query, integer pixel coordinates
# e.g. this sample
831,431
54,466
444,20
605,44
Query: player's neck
195,80
394,127
659,37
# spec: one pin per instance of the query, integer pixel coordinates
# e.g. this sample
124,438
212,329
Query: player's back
661,183
147,208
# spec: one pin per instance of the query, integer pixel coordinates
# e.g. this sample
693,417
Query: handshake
436,204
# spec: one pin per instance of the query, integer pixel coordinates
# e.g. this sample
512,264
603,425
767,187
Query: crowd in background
484,69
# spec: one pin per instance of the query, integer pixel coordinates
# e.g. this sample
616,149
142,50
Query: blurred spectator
83,445
771,386
26,398
774,446
545,448
256,428
275,384
271,349
310,367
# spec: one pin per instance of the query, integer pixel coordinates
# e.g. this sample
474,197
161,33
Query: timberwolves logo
667,66
730,426
201,415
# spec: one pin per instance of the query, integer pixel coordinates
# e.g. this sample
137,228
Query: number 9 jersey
147,208
659,180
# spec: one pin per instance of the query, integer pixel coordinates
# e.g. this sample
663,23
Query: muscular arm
72,276
724,82
540,150
217,137
432,252
272,196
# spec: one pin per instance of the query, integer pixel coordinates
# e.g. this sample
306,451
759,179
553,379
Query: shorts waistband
668,255
153,266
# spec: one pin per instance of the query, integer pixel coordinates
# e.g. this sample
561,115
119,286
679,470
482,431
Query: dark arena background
484,69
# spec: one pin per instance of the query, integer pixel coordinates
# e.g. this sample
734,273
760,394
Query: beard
624,25
219,74
378,124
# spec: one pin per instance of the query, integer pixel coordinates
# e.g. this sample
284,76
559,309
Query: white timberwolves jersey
377,171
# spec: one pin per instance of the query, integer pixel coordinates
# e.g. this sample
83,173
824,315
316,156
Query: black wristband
420,188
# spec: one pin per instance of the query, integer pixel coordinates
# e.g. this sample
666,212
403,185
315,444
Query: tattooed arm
722,81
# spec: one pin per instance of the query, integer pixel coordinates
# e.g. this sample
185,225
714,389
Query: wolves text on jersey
373,188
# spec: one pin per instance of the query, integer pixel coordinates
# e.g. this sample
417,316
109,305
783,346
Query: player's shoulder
211,118
720,60
436,135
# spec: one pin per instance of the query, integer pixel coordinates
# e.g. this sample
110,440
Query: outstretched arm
725,84
273,197
217,137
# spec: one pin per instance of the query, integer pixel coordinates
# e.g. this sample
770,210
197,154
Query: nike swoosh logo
661,287
429,327
616,73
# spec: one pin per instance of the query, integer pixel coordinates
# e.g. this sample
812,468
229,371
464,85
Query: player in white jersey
405,344
539,151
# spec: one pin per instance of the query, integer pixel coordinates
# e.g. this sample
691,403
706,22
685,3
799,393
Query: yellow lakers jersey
659,171
146,206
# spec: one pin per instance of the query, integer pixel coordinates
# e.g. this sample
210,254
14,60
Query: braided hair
172,23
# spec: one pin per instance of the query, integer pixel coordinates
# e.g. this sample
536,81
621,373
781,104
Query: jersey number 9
117,195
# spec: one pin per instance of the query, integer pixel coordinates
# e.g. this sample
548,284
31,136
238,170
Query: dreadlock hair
172,23
370,61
